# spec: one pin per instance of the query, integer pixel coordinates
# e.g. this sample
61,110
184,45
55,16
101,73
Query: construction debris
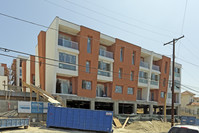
117,122
125,122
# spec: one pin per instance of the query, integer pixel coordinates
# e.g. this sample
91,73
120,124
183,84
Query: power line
102,22
114,18
123,15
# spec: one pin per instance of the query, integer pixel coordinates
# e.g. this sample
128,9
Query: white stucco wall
2,79
37,79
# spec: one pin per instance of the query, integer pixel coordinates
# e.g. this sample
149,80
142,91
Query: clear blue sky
148,24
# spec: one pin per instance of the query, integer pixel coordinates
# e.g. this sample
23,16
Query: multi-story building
16,68
4,73
177,86
89,69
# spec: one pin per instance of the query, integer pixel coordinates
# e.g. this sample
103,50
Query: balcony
67,66
177,74
103,73
143,80
106,53
144,64
153,82
68,44
156,68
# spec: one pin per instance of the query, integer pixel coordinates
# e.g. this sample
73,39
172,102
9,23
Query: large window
63,86
70,61
121,54
130,91
154,77
164,82
104,68
118,89
101,90
132,76
165,68
162,94
86,85
143,74
120,73
133,58
20,72
87,66
89,45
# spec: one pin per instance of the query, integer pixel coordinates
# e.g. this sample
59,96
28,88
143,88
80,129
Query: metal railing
106,53
154,67
143,80
67,66
153,82
68,43
144,64
177,75
103,73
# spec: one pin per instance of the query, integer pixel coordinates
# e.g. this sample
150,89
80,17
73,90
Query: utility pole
173,67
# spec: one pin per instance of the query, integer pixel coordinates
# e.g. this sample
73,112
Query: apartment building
89,69
16,72
177,86
4,73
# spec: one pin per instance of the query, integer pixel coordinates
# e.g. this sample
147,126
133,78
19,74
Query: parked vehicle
184,129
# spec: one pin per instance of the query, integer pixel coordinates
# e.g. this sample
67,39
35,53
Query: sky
146,23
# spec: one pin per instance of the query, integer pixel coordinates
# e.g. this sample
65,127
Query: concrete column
135,108
92,105
116,108
65,102
178,110
151,109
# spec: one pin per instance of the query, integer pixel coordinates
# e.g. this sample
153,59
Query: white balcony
143,82
106,55
154,84
68,46
156,68
104,76
67,69
144,64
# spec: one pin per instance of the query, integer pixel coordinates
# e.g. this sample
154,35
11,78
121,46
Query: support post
151,109
92,105
135,108
116,108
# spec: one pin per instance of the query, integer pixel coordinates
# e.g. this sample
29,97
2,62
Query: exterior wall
92,57
127,67
185,99
50,52
37,77
24,74
1,71
13,72
2,79
163,75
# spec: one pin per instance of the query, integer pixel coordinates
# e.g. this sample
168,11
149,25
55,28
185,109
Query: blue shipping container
83,119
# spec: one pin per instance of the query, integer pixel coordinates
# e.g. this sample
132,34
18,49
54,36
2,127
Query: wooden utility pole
173,67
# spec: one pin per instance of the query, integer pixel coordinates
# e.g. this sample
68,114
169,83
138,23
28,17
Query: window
33,79
164,82
121,54
154,77
86,85
20,63
132,76
104,68
64,40
143,74
89,45
133,58
118,89
169,95
162,94
165,68
130,91
20,72
63,86
120,73
87,66
69,59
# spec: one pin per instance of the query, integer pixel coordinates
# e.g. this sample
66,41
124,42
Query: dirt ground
136,127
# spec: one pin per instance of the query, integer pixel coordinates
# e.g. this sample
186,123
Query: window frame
118,87
132,90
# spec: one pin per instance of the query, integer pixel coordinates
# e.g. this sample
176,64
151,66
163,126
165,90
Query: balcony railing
67,66
106,53
143,80
177,75
68,43
157,68
153,82
104,73
144,64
